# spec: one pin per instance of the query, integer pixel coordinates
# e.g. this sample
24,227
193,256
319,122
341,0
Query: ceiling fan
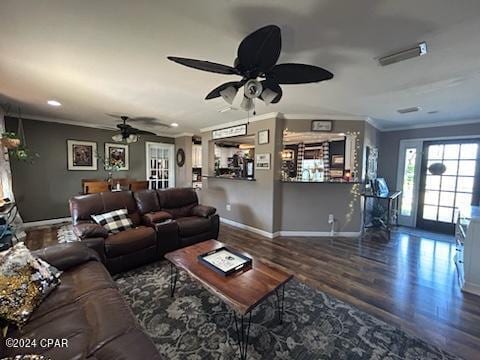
128,133
257,56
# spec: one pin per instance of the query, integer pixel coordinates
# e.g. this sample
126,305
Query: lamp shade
117,138
247,104
268,96
228,94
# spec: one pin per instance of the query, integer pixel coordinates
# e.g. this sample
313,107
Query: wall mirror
234,157
319,157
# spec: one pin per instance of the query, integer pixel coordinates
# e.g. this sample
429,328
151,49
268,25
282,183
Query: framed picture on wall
116,155
81,155
263,137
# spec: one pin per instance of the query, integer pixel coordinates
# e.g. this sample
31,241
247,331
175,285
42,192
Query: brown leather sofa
86,309
177,212
164,220
121,251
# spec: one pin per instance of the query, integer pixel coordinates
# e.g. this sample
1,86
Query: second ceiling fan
257,57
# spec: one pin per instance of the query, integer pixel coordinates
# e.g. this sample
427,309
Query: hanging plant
10,140
16,144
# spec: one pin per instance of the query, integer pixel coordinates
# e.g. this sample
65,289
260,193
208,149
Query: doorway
160,165
449,180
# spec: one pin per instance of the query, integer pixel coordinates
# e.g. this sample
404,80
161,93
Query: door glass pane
448,183
445,214
451,166
467,167
431,197
463,200
451,151
447,198
408,181
430,212
435,152
468,151
465,184
433,182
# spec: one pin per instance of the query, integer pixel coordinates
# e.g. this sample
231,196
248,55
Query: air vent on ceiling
408,110
419,50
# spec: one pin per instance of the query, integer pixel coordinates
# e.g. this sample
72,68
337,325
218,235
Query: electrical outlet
331,219
228,207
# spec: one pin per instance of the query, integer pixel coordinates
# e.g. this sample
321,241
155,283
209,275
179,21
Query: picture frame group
83,156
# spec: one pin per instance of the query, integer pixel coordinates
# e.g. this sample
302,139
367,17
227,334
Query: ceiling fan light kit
257,57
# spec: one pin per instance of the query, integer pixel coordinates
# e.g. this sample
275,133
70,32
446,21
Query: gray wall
390,143
42,190
183,175
271,205
305,207
252,202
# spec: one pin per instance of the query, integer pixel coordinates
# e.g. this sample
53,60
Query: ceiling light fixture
419,50
174,125
54,103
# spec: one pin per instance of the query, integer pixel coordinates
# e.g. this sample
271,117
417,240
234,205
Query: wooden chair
138,185
91,187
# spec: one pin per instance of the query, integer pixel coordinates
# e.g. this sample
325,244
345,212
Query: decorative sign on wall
238,130
321,125
262,161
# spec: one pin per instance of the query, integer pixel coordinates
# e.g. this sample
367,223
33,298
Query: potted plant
10,140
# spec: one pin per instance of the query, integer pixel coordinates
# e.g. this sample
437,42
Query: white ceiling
97,57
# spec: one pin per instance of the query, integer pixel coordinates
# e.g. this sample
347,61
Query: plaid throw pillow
114,221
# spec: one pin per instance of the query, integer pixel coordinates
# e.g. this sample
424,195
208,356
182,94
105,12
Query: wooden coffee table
242,291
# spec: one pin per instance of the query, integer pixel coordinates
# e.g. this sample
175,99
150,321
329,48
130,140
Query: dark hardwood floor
408,281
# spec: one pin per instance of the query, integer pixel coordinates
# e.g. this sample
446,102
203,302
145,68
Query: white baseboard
247,227
46,222
290,233
471,288
317,233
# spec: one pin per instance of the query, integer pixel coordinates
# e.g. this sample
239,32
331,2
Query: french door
160,165
454,185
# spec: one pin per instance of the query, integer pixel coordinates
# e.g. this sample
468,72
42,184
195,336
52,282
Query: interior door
458,186
408,179
160,165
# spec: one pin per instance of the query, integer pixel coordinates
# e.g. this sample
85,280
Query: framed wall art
81,155
263,137
116,156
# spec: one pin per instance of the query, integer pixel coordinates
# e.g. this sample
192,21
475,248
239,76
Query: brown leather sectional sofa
86,309
164,220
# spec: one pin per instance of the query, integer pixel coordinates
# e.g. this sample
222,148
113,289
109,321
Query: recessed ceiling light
173,124
54,103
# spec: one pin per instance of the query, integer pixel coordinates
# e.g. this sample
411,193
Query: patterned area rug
196,325
65,234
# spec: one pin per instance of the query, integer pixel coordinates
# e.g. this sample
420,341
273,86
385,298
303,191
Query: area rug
196,325
65,234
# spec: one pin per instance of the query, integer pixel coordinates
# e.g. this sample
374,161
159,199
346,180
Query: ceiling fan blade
298,74
260,50
216,92
143,132
273,86
152,121
204,65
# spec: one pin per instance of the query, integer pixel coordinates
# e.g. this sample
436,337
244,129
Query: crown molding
183,134
78,123
432,125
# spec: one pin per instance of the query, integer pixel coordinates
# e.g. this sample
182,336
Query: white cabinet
468,249
197,156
